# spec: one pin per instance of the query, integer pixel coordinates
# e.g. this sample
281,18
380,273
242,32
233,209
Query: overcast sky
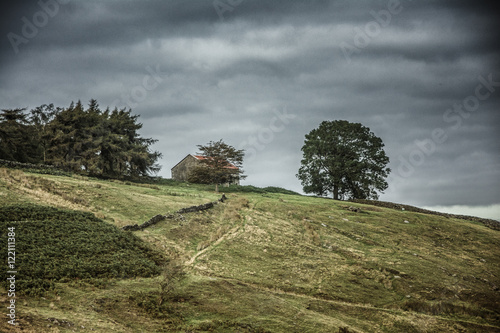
260,74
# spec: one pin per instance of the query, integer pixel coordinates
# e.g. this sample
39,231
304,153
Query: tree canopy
102,143
221,163
345,159
17,141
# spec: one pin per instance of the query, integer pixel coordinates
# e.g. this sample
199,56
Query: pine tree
126,151
80,140
68,138
17,137
40,119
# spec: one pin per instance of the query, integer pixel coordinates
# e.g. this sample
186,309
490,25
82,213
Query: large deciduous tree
345,159
221,164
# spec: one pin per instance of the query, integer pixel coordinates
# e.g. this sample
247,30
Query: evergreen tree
90,151
80,140
17,137
40,119
126,152
68,137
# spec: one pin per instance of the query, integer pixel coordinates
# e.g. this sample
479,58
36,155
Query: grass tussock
311,234
233,208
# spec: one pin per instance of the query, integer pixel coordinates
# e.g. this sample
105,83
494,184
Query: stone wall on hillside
177,215
492,224
37,168
19,165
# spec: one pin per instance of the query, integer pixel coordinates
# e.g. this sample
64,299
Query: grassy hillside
263,261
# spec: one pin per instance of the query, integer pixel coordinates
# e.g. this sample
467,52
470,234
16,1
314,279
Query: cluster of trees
102,143
342,158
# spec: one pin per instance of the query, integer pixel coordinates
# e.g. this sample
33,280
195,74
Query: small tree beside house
217,163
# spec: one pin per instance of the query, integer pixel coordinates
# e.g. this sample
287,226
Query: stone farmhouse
182,169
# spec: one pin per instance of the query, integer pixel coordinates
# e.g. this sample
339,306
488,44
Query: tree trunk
217,188
335,192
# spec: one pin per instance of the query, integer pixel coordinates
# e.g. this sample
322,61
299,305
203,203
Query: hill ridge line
490,223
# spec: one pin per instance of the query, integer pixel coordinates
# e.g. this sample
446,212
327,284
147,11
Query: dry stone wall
19,165
177,215
492,224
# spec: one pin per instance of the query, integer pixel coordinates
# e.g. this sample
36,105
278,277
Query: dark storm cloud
203,70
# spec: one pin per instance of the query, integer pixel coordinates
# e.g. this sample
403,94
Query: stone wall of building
181,170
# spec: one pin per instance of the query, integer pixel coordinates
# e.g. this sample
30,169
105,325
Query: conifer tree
69,137
17,140
78,139
40,119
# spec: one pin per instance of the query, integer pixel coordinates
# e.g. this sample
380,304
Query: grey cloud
225,78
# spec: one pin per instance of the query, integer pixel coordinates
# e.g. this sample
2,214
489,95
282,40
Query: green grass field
266,260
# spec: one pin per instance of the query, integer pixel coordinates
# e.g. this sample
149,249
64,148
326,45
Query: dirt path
231,233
